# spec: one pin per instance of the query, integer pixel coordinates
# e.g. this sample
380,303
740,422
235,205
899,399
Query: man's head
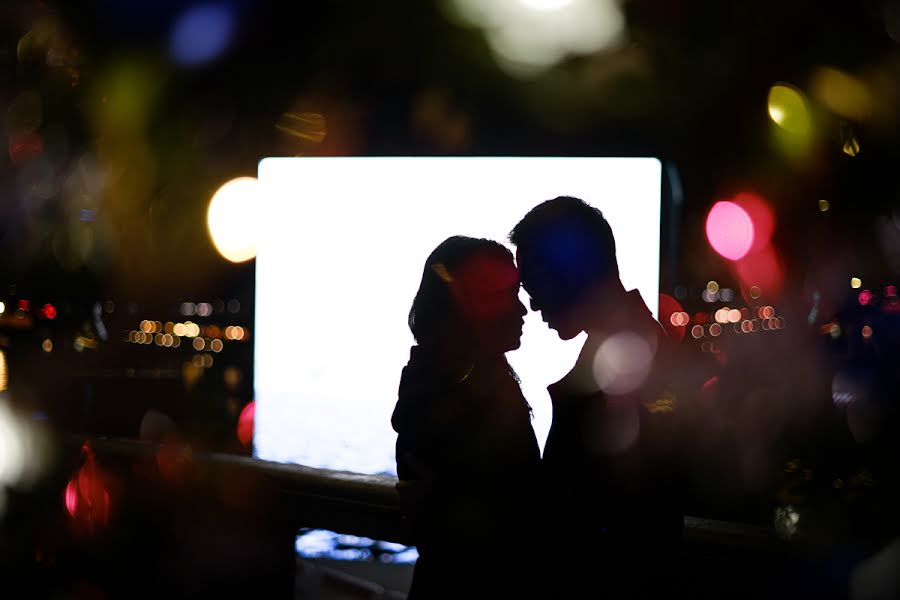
565,250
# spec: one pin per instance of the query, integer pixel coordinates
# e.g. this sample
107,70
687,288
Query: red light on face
729,230
486,286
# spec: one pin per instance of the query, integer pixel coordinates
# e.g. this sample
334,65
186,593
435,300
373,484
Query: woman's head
469,294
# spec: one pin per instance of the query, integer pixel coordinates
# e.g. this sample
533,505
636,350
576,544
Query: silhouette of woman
467,457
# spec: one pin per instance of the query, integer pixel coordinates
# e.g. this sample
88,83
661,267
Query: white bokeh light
528,36
232,219
622,362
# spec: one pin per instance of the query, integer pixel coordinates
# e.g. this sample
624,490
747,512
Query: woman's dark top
469,469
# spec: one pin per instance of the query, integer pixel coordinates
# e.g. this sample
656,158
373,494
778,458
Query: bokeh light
865,297
86,498
232,218
245,424
855,283
622,362
729,230
843,94
762,217
201,34
672,317
761,270
529,36
788,109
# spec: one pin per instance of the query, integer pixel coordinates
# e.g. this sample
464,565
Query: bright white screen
341,253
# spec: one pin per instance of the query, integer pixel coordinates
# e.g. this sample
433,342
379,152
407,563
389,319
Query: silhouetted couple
598,515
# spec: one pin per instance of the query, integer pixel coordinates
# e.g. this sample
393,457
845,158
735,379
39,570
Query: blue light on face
201,34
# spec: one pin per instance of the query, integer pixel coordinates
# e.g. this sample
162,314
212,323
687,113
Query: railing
368,505
233,521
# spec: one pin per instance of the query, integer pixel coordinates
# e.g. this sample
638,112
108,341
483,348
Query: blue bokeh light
201,34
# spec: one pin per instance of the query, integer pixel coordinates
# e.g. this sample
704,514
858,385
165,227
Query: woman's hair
434,305
434,309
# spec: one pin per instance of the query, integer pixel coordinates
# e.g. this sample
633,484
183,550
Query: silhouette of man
608,455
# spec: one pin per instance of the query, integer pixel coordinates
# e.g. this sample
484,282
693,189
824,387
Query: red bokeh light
86,498
49,311
761,216
762,269
245,424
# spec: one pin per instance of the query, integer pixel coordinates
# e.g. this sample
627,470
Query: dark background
105,215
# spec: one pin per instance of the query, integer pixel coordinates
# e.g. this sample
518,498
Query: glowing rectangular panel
342,247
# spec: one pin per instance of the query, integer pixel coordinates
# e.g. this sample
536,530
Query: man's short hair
572,238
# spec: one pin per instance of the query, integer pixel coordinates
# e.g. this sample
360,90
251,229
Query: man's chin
564,333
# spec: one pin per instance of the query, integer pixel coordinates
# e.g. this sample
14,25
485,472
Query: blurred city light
529,36
786,519
824,205
855,282
729,230
851,144
201,34
305,126
23,449
865,297
844,94
788,109
12,447
232,218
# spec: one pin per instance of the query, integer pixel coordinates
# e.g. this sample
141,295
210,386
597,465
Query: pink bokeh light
729,230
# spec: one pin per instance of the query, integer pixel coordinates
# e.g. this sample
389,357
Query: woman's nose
522,310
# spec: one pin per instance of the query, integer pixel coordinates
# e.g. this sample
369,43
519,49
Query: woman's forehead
488,271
